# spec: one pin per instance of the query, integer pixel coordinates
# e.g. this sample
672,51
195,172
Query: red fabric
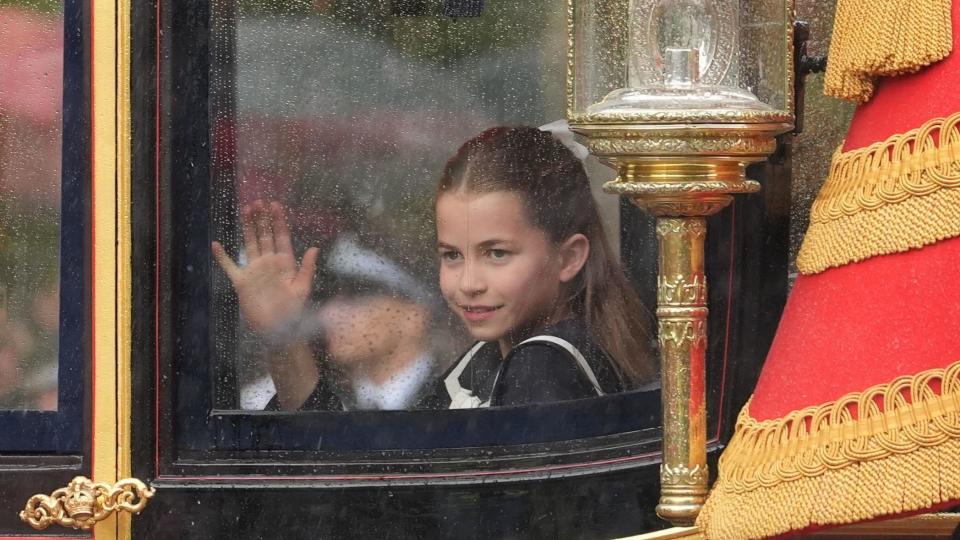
863,324
903,103
849,328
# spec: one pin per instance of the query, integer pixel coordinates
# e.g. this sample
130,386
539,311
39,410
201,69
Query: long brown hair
556,193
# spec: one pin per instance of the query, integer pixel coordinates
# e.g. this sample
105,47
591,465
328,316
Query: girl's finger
264,228
281,231
225,261
250,244
308,268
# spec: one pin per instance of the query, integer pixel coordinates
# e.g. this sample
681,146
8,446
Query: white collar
397,392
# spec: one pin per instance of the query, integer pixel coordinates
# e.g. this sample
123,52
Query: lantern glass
634,57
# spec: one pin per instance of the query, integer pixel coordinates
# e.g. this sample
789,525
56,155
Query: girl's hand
271,288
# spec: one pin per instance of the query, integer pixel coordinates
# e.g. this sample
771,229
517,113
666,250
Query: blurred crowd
31,59
28,361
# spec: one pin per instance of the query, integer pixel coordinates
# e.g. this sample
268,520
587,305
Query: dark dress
562,362
542,369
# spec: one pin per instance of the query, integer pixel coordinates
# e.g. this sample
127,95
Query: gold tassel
897,484
821,466
874,38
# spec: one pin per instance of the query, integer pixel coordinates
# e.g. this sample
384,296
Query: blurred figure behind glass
365,327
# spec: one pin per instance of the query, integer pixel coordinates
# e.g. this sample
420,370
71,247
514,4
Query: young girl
525,265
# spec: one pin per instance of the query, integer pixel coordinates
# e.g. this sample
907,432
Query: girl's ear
573,255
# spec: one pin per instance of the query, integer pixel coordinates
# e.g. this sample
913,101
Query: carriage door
342,115
337,118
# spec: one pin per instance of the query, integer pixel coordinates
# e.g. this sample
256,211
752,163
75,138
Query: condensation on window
31,69
332,124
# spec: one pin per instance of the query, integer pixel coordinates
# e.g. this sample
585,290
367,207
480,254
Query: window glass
334,122
31,64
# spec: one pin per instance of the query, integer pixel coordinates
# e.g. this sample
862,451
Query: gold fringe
874,38
891,449
898,194
909,225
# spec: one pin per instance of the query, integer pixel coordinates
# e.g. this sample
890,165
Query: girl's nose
471,280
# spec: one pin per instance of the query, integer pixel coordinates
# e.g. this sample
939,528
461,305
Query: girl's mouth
478,313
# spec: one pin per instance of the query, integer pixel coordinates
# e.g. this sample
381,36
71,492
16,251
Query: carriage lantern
679,96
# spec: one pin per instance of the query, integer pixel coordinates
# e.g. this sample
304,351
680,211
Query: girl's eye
449,255
498,253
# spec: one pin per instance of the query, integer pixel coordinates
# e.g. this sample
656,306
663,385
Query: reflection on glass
31,64
324,214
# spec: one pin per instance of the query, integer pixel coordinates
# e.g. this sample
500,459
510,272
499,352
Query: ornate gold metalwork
660,189
788,86
571,59
743,136
83,503
681,184
682,475
682,317
679,290
682,331
682,209
683,145
720,116
682,166
696,228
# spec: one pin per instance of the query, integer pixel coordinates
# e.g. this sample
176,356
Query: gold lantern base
682,172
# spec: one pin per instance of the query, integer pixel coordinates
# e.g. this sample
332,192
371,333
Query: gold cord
874,38
890,449
894,195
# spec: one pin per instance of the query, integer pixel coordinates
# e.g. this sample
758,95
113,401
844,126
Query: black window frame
62,431
42,450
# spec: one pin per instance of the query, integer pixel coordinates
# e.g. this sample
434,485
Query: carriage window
31,61
384,234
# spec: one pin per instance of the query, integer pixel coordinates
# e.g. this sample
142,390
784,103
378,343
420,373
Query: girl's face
499,273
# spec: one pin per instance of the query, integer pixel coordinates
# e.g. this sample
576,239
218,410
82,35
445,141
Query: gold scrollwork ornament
83,503
682,145
694,228
683,475
681,289
635,188
679,333
685,209
672,117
